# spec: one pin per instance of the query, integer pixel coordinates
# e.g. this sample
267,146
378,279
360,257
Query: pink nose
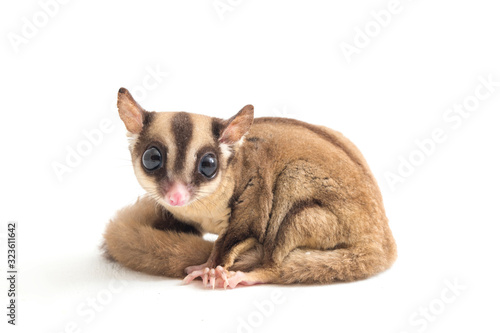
176,199
177,195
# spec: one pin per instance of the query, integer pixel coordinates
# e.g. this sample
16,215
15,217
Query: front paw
191,269
212,277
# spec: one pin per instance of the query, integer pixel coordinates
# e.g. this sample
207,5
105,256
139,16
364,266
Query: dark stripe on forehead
144,139
182,128
147,119
218,126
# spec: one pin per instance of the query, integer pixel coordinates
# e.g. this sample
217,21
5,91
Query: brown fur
145,238
302,195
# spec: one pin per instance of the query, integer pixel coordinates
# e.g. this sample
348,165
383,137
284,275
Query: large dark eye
208,165
151,159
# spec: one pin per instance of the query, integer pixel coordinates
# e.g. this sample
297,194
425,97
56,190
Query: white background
285,58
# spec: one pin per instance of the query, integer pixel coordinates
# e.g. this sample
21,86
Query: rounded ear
237,126
131,113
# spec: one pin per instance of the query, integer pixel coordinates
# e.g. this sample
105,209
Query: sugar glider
290,202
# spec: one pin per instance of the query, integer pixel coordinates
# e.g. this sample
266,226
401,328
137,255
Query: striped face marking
182,129
177,158
181,159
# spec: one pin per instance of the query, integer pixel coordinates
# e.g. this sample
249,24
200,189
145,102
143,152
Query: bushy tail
132,240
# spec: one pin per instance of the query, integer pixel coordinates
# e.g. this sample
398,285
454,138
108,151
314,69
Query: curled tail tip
105,252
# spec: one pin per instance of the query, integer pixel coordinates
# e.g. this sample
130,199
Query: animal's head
180,157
